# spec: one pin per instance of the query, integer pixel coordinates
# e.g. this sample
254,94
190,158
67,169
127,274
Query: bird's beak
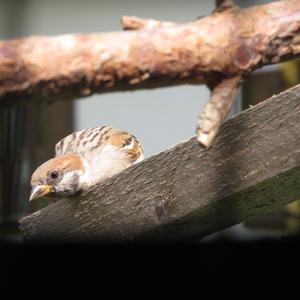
39,191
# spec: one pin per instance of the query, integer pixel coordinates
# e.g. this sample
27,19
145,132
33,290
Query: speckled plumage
84,158
91,141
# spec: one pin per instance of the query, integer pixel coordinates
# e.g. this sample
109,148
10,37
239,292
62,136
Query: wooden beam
188,192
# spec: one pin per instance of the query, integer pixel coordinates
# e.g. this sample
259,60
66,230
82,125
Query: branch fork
217,50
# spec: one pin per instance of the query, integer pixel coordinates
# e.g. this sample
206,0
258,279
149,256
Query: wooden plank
188,192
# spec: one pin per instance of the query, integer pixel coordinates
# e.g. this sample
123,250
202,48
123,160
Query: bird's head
61,176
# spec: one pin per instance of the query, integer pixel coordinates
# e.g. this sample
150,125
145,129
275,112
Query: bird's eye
54,174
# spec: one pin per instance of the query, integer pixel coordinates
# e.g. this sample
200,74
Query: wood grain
188,192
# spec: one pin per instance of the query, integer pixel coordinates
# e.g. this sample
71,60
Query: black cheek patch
75,182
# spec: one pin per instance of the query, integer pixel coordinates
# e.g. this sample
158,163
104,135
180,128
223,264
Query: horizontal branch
227,43
188,192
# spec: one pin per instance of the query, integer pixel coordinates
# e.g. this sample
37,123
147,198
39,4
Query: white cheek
68,177
68,183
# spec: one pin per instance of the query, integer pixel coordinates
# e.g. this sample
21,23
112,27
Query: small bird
83,159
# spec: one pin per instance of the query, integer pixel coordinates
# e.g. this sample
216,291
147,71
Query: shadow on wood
188,192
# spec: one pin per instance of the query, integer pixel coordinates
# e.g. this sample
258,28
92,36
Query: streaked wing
81,142
92,140
126,142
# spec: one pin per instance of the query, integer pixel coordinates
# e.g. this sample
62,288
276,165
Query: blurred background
28,132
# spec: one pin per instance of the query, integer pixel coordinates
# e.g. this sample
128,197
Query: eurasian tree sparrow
84,158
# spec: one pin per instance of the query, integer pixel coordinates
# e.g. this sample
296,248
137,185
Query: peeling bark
229,43
134,23
223,5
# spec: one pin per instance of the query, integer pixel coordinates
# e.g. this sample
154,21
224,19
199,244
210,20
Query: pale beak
39,191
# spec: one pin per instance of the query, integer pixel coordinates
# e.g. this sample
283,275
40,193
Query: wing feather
78,142
91,140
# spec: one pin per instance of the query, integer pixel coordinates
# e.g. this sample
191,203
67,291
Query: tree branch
216,110
226,44
188,192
